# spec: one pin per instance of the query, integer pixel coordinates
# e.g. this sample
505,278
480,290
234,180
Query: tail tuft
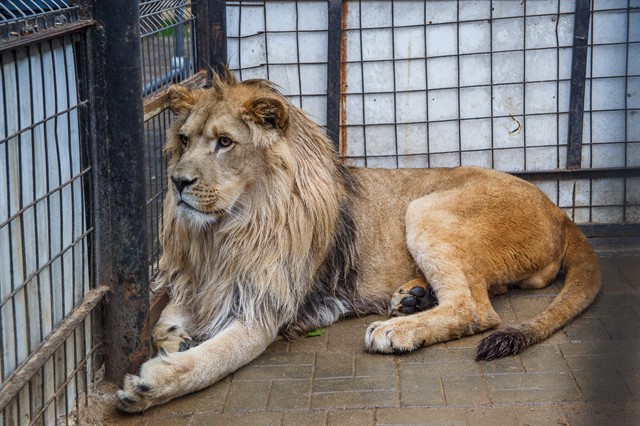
507,342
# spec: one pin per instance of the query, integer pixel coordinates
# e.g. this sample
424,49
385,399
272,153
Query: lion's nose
181,182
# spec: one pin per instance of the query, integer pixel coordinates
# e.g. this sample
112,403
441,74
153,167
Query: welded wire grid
450,83
23,17
611,135
168,56
45,228
285,42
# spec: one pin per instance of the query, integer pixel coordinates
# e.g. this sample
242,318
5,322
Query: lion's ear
272,113
180,99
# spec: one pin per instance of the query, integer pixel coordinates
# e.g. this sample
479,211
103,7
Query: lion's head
256,200
222,145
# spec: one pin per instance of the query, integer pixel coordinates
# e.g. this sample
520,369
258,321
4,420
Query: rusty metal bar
46,34
120,200
578,81
21,376
158,102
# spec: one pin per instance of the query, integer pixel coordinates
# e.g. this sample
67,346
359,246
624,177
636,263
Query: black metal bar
334,43
211,35
578,79
119,196
622,172
593,230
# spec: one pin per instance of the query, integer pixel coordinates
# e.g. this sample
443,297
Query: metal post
334,44
211,35
578,78
118,162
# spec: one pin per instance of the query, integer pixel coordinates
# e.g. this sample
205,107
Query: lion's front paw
171,338
134,397
412,300
392,337
155,383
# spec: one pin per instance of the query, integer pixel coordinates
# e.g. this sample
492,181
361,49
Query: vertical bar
578,78
118,159
334,43
211,35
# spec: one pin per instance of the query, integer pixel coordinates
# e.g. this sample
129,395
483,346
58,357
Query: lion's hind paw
415,299
172,338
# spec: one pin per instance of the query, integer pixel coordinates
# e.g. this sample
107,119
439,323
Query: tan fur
274,235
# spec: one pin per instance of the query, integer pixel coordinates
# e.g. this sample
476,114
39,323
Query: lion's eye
224,141
184,140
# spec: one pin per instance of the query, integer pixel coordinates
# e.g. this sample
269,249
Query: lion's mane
285,256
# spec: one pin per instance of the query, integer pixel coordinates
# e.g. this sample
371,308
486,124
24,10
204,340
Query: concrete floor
586,374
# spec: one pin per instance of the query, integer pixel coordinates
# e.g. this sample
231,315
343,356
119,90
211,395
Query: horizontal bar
621,172
592,230
159,102
46,34
21,376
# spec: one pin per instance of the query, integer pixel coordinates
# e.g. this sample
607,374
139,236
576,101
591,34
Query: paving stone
532,387
602,385
375,365
622,328
206,400
600,348
159,418
629,267
539,358
355,399
306,418
280,345
346,339
511,364
502,306
421,416
334,365
289,395
586,329
542,415
273,372
309,344
528,306
618,414
417,389
632,380
491,416
354,383
436,354
271,359
248,396
465,390
237,419
351,417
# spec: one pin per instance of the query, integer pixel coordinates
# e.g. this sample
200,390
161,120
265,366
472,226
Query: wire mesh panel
168,56
472,83
285,42
45,229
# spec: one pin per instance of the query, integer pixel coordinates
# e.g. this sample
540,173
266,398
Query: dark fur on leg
500,344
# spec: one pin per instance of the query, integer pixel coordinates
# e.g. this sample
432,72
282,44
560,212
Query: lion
266,231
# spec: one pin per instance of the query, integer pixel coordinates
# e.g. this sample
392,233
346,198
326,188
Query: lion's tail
582,283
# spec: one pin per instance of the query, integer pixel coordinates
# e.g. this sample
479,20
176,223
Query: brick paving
587,373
